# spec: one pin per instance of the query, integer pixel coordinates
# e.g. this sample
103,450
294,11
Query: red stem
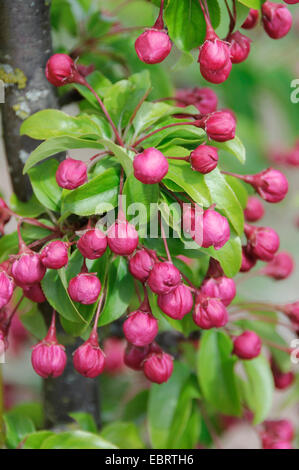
164,239
159,24
94,332
51,335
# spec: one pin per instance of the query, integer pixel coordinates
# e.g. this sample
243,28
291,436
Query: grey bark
25,44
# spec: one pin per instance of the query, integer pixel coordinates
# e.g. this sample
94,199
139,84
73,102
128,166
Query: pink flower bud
248,261
177,303
263,242
240,47
55,255
34,293
135,356
92,244
150,166
84,288
48,357
282,380
277,19
216,231
6,288
251,20
291,2
209,313
4,216
280,267
221,126
292,311
248,345
254,210
122,238
271,184
164,278
114,355
140,328
222,288
153,46
158,367
28,269
89,359
61,69
214,60
141,264
280,445
279,430
204,99
71,173
204,159
192,222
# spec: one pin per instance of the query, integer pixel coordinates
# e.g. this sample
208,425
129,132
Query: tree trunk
25,46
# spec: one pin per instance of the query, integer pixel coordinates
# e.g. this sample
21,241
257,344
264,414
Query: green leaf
191,181
186,24
136,408
215,370
44,184
229,256
255,4
55,145
142,196
124,157
31,411
85,421
16,427
234,146
34,322
259,387
53,123
32,208
239,189
225,199
162,405
175,135
36,439
122,98
76,440
123,435
119,292
95,197
99,83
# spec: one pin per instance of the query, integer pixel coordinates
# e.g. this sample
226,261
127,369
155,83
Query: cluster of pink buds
277,434
204,99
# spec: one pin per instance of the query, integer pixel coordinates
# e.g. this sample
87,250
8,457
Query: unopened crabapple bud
263,242
89,359
158,367
280,267
164,278
114,355
216,231
292,311
279,430
271,184
153,46
122,238
209,313
134,356
71,173
251,20
248,260
61,70
214,60
221,126
140,328
222,288
141,264
34,293
6,288
254,210
92,244
4,215
204,99
277,20
84,288
150,166
204,159
28,269
240,47
55,255
177,303
248,345
282,380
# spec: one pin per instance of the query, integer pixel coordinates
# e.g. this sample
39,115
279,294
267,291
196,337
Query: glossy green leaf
44,184
36,439
229,256
259,387
124,157
85,421
95,197
32,208
255,4
55,145
215,370
34,322
123,434
53,123
225,199
119,292
76,440
234,146
17,427
138,194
